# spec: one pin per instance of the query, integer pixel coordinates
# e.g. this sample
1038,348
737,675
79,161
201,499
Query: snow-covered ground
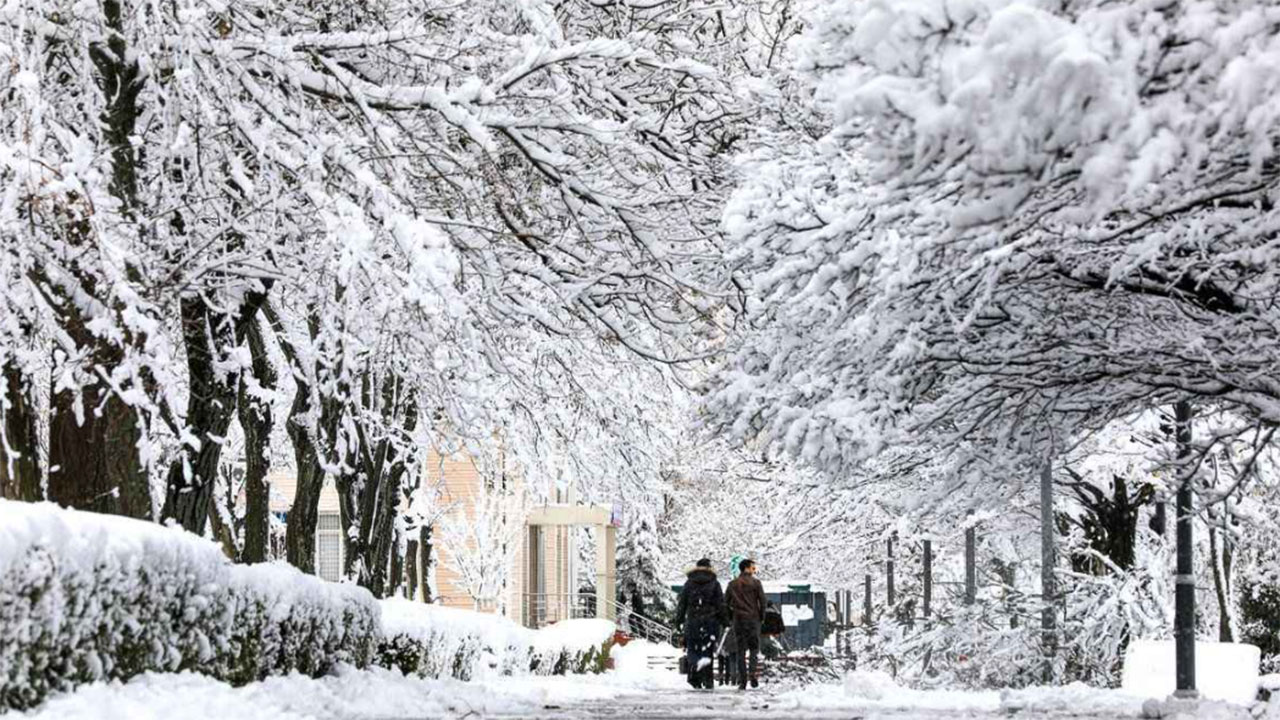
637,687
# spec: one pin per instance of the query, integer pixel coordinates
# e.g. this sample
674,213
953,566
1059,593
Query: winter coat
701,598
745,597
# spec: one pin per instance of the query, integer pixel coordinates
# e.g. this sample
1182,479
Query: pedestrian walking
745,597
701,610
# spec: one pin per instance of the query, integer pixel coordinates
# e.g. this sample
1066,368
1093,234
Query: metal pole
866,603
928,578
970,565
888,569
1184,608
1048,560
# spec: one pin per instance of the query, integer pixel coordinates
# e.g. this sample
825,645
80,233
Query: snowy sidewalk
635,689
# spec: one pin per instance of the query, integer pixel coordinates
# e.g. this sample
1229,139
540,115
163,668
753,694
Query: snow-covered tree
481,537
1017,208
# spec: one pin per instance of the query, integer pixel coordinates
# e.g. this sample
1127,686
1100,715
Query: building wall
459,482
284,485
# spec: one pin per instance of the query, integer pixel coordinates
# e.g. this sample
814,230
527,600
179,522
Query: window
329,547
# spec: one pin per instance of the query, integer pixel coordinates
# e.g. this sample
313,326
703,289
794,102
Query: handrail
541,607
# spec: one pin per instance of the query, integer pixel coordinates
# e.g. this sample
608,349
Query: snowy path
633,690
757,705
692,705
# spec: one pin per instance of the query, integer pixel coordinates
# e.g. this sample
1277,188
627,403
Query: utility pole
1048,560
1184,606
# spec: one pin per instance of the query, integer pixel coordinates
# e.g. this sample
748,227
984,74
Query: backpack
773,624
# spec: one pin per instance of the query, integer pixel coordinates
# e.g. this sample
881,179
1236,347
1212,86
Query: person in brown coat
745,598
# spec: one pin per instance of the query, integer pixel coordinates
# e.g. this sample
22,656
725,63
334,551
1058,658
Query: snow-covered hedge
434,641
87,597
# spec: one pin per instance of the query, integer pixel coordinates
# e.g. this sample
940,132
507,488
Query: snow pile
576,637
440,642
871,685
87,597
345,693
1074,699
874,692
1224,671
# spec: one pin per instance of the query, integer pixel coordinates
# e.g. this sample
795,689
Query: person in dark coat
701,611
745,597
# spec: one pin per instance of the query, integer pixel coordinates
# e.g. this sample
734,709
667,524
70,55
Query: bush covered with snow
438,642
86,597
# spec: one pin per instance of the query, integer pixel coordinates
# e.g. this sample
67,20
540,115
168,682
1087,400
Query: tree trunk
1009,577
1220,562
207,335
411,564
300,527
368,493
94,459
224,533
19,438
256,421
424,566
95,465
309,438
396,578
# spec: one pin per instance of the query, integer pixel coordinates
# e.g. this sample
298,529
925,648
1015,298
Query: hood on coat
701,574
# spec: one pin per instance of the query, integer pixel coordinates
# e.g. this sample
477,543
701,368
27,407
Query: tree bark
368,493
300,527
411,563
425,550
94,459
19,442
1221,566
211,399
309,437
256,421
224,533
396,578
95,465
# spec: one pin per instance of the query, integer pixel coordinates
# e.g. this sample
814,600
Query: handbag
684,665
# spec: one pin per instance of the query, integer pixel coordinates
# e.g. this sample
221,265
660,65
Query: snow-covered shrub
971,647
435,641
288,621
86,597
1260,621
991,645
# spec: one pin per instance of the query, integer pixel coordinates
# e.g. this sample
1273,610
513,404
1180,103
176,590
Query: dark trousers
747,632
700,637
